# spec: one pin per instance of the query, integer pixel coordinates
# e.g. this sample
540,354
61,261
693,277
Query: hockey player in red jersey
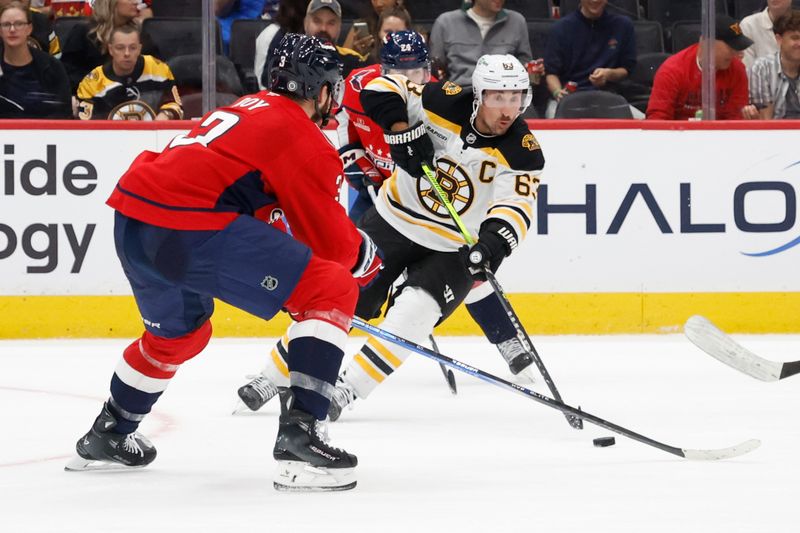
193,223
364,152
490,163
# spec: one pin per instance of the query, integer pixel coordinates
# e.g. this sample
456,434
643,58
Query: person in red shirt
677,94
193,223
363,150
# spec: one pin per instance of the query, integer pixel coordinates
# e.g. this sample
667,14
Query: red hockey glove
369,262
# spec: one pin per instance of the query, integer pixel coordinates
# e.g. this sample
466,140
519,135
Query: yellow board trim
368,368
31,317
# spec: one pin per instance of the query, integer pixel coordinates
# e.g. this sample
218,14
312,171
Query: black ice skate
256,393
517,357
101,449
306,462
343,396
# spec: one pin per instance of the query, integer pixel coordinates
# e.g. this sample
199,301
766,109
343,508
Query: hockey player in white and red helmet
489,164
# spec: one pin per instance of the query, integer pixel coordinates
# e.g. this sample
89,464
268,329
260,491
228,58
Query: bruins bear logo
530,142
455,184
451,89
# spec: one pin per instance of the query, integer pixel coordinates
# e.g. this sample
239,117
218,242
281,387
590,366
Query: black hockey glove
496,240
410,148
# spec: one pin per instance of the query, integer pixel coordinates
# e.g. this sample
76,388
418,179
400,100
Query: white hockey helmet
500,72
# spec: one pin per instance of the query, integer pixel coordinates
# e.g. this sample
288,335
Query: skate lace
511,349
343,394
263,386
321,431
131,445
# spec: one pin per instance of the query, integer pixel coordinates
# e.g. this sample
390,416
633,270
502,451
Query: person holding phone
363,35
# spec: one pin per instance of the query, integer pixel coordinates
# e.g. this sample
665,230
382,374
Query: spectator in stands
677,91
323,19
775,79
130,86
758,27
86,45
229,10
390,20
291,14
73,8
42,37
459,37
32,83
67,8
590,47
365,44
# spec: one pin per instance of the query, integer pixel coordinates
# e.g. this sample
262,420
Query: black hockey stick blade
712,340
449,377
573,421
700,455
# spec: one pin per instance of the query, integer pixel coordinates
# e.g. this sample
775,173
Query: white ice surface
486,460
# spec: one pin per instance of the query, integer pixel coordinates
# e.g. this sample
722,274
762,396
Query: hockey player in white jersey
489,164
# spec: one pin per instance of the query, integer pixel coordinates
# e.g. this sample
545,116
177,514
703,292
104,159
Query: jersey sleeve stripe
513,217
524,213
443,122
383,85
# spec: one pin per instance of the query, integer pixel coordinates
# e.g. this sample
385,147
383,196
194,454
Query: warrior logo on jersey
451,89
530,142
454,182
132,110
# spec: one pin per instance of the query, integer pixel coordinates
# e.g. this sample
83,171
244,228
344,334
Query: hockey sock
412,316
315,355
485,308
277,368
145,370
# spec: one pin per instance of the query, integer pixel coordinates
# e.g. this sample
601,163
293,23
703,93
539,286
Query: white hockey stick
717,344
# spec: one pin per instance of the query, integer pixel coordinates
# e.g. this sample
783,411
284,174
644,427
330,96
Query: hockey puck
602,442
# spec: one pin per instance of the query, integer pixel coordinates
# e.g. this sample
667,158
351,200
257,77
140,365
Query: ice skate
255,394
343,396
306,462
518,358
102,449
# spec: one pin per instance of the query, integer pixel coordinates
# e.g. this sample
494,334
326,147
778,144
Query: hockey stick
448,374
449,377
717,344
703,455
575,422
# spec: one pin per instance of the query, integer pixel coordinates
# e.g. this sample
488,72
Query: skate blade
297,476
240,408
79,464
527,375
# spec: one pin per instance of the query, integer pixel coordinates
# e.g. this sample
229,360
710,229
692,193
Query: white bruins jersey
483,177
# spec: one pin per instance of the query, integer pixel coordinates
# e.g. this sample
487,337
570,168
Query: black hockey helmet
301,65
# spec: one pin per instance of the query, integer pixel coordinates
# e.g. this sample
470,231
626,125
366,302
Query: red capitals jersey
261,156
357,130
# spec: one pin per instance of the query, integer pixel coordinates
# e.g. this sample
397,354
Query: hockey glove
369,261
410,148
495,241
359,170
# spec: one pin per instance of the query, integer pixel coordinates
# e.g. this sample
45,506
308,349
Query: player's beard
320,115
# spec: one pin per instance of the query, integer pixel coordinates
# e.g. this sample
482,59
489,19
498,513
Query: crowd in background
117,59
